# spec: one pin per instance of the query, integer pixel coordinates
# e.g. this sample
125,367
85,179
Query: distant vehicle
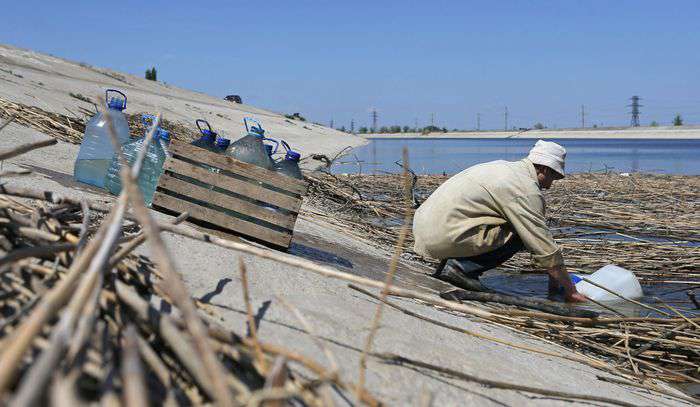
234,99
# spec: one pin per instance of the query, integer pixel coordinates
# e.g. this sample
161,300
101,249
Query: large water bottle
208,138
96,150
614,278
222,144
152,167
289,166
250,148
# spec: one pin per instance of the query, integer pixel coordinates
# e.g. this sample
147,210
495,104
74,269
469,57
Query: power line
478,121
583,117
505,119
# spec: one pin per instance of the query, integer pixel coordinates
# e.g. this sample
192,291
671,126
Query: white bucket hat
549,154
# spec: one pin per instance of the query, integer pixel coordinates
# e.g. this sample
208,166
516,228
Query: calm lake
435,156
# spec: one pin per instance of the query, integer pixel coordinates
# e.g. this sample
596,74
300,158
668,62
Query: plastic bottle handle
247,119
277,144
115,91
286,145
200,127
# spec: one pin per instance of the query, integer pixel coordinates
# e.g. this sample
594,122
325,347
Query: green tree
395,129
152,74
342,128
444,130
383,129
538,126
654,124
678,120
362,130
406,129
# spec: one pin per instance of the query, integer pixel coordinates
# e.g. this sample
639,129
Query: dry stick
21,149
153,360
172,283
35,251
8,121
688,320
625,298
166,329
638,360
7,174
666,335
389,277
607,307
224,336
137,241
49,305
135,389
38,376
311,332
590,362
249,316
392,358
85,207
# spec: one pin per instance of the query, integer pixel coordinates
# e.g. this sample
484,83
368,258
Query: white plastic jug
612,277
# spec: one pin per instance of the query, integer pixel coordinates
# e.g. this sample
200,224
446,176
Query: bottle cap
292,155
117,104
223,143
209,135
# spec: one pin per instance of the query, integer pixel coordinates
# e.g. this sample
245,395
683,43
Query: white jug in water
612,277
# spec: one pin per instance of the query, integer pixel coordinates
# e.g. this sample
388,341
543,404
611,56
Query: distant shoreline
664,133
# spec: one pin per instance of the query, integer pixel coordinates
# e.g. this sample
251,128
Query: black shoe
450,272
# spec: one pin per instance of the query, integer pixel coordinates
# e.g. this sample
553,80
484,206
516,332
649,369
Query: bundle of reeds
71,128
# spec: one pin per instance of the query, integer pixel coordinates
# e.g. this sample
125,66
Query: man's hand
559,275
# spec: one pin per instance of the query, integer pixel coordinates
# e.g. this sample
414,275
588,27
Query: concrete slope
45,81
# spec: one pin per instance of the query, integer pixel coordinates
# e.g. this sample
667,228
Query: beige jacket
479,209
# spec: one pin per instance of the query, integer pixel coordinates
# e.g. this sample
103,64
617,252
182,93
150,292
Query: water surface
435,156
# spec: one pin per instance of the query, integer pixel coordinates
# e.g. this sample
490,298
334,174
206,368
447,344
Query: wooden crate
243,188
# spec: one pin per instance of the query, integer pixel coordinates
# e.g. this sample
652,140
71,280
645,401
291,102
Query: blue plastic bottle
222,144
290,165
152,167
250,148
208,139
96,150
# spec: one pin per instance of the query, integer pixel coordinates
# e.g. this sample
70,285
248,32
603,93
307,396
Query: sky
452,60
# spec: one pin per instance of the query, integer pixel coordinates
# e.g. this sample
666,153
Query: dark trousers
475,266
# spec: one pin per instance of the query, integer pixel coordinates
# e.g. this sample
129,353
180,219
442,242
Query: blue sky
542,59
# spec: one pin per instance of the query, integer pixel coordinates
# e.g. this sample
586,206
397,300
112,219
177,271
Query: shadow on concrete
258,317
63,179
218,290
315,254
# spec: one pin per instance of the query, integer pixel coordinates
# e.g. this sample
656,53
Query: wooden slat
239,226
253,191
238,167
226,201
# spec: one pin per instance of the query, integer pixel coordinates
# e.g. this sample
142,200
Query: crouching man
481,217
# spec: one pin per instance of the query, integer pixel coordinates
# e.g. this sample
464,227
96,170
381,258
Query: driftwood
533,303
